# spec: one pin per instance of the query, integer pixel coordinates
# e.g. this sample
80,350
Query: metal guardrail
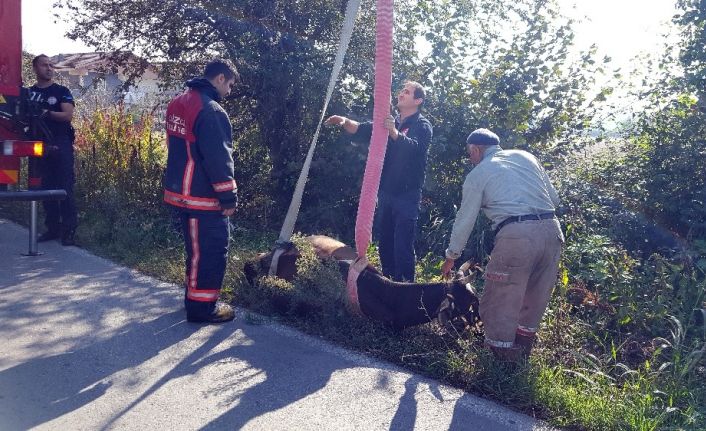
33,196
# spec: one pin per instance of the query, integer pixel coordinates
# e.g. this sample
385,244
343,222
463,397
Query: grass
563,384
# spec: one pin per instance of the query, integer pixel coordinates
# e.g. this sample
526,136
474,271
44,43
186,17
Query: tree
526,87
278,46
692,21
517,79
27,71
665,168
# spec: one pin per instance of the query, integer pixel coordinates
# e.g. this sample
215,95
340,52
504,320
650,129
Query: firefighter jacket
199,174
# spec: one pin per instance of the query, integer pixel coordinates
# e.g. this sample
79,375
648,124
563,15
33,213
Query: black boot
512,354
67,238
221,313
526,342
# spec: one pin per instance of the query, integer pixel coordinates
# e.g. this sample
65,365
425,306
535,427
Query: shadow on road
43,389
286,377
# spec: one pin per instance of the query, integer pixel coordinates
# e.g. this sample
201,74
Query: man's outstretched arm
347,124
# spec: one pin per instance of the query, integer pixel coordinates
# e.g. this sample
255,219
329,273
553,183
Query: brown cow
398,304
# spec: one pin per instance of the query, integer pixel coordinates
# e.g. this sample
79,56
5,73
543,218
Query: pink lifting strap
354,271
378,142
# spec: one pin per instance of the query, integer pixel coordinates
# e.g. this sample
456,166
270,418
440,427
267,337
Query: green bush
119,164
119,160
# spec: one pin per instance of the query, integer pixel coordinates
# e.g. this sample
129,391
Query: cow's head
461,305
260,266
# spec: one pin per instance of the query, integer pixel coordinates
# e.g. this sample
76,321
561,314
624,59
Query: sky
620,28
42,33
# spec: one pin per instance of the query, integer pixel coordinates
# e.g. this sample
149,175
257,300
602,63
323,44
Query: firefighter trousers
206,238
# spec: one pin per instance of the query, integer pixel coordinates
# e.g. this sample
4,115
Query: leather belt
525,217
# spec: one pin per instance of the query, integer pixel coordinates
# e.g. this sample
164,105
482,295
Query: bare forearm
350,126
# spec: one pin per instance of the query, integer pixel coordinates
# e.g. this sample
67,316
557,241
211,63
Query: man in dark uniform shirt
57,166
401,180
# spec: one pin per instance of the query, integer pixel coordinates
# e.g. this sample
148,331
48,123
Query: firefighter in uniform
57,166
515,193
199,183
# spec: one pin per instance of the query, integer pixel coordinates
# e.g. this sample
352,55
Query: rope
288,226
378,142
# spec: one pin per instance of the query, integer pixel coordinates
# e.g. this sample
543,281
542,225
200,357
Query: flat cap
482,137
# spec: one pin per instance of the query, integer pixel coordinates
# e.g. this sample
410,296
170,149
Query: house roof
101,62
90,61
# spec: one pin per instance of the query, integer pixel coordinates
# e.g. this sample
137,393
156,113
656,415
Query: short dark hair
419,92
35,60
220,65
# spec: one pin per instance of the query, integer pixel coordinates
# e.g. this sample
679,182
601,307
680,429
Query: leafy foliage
664,154
531,92
692,21
119,165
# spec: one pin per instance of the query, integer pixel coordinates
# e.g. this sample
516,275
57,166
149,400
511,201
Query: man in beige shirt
515,193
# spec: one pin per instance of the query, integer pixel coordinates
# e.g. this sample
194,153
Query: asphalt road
86,345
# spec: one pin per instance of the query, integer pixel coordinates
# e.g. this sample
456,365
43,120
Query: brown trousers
519,279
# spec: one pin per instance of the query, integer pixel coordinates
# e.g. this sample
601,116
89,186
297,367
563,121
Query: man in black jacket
199,183
401,180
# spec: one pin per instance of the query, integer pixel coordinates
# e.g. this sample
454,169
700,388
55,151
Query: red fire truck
22,129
